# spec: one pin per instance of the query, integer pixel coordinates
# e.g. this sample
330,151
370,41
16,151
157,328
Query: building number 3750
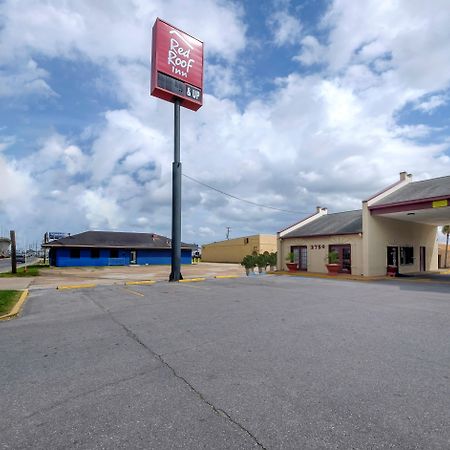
193,93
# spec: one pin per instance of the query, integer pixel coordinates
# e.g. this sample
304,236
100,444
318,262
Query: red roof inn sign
177,66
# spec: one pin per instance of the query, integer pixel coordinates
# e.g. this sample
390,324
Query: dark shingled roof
418,190
115,239
347,222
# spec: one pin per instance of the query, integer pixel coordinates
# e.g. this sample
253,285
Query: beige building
441,256
234,250
396,227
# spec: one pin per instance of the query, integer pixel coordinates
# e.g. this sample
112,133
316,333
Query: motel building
113,248
396,230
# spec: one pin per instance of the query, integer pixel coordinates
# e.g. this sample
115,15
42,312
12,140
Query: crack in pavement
220,412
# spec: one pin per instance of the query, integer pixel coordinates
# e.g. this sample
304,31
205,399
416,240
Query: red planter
292,267
333,269
391,271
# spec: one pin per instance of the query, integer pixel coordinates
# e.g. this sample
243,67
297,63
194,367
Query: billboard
54,236
177,66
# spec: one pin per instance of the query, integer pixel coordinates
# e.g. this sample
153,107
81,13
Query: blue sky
306,103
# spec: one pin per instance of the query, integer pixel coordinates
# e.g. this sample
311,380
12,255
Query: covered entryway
405,223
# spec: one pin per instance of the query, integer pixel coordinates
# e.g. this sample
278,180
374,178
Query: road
5,265
268,362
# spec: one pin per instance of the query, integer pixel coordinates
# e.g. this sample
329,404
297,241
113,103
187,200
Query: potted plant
333,262
261,262
272,261
249,263
291,265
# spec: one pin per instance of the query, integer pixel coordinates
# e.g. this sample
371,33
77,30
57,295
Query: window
114,253
406,255
75,253
95,253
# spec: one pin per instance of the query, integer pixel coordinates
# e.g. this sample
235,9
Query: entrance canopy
426,202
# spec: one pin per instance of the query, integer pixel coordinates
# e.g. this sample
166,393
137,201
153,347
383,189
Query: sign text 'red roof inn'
177,66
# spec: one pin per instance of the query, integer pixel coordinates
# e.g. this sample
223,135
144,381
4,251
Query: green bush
290,257
333,257
272,259
249,261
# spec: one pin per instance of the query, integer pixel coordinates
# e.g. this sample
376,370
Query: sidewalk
55,276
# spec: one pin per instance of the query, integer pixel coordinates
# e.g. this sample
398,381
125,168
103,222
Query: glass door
300,256
345,257
133,258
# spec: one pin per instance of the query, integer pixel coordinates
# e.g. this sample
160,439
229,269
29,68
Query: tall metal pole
175,274
12,235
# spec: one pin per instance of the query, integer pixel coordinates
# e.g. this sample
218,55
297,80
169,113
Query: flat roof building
234,250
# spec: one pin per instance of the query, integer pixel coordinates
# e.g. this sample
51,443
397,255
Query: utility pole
12,235
228,233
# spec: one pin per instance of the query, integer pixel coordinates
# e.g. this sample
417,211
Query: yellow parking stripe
191,280
76,286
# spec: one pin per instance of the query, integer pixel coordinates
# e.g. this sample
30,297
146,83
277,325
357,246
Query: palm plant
446,231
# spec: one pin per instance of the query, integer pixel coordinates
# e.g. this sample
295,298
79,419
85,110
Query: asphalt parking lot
262,362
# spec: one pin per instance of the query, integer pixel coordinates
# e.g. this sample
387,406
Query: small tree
272,260
446,231
249,263
261,262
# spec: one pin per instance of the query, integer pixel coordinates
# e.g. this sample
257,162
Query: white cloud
286,28
329,138
433,102
23,79
101,211
312,51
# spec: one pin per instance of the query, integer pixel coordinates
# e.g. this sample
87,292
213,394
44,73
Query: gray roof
418,190
115,239
347,222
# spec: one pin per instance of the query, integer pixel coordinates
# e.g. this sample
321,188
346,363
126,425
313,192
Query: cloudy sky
306,103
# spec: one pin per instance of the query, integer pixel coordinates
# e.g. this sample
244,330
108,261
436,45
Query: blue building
111,248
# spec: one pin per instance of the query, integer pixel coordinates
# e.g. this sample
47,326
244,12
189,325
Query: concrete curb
325,276
17,307
227,276
146,282
191,280
75,286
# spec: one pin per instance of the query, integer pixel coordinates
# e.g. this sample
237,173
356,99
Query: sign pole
175,274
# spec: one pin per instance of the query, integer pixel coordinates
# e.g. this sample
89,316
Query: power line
289,211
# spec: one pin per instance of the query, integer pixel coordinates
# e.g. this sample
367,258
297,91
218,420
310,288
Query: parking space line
130,291
145,282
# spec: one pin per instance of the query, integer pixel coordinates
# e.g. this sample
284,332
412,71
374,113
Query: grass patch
32,271
7,300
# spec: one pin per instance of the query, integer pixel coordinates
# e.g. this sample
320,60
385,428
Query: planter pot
391,271
292,267
333,269
273,268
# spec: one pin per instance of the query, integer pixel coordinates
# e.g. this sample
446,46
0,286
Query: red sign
177,66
